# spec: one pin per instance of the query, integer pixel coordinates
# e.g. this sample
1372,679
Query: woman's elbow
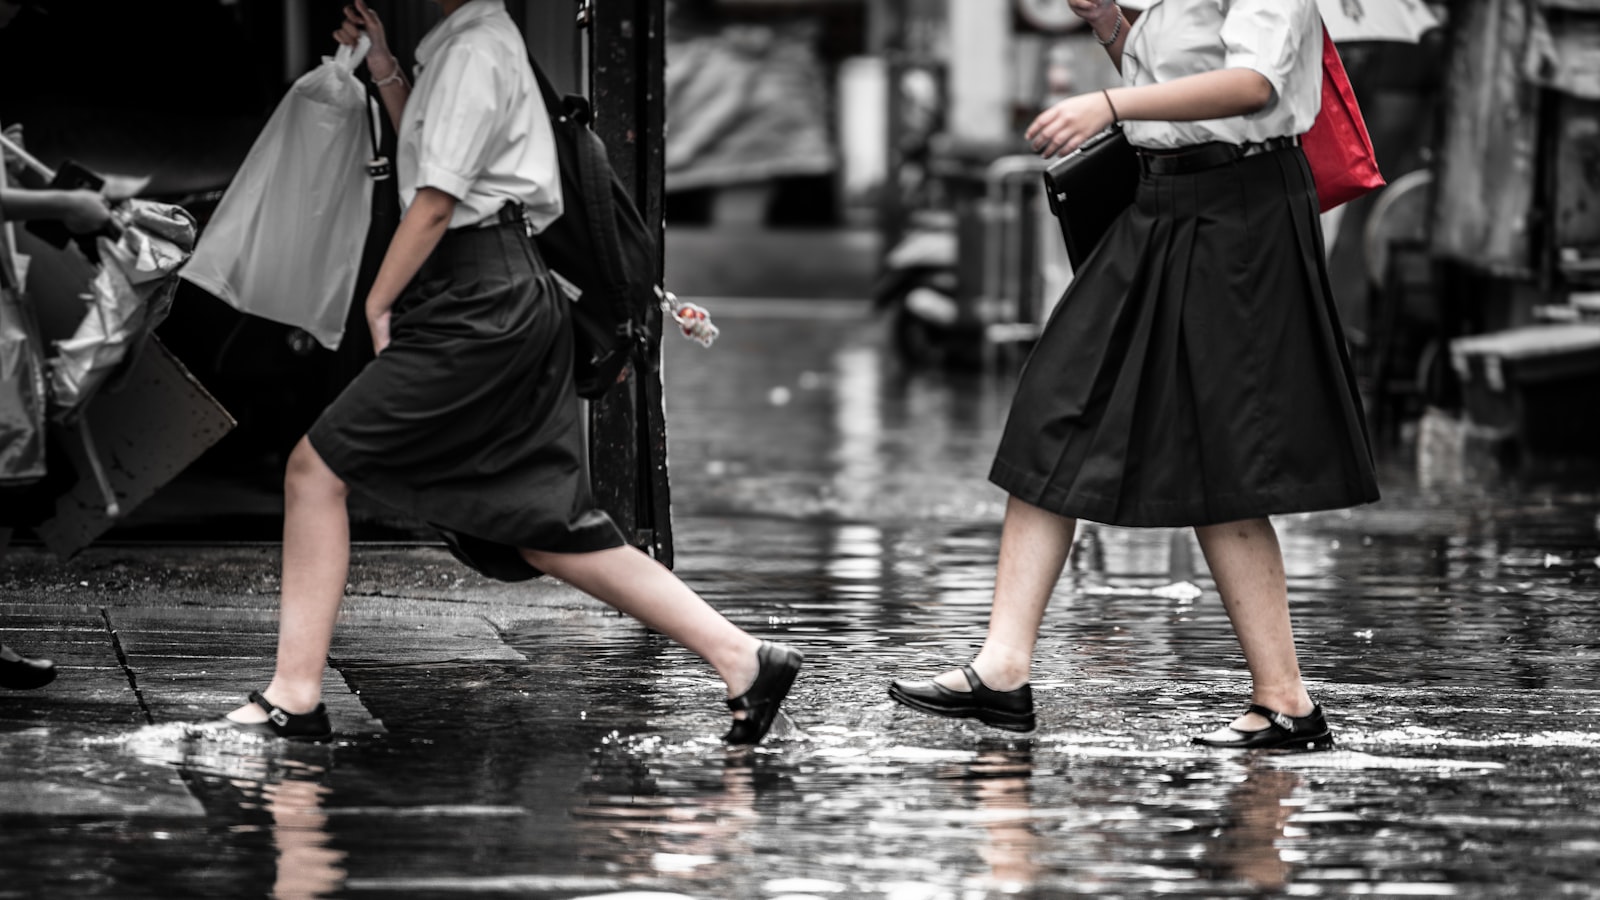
433,206
1256,93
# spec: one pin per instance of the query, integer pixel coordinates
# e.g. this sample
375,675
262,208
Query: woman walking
1195,372
82,212
468,418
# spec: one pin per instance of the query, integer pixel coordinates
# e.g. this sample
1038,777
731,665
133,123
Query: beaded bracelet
1116,30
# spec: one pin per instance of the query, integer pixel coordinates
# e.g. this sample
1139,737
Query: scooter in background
962,287
918,291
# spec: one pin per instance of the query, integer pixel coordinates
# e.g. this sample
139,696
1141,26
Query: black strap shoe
312,726
1011,710
24,673
778,664
1283,732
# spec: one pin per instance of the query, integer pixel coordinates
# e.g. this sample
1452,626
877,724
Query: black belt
510,213
1199,157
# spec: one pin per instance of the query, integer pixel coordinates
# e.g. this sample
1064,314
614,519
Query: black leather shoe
1283,732
311,726
24,673
778,666
1011,710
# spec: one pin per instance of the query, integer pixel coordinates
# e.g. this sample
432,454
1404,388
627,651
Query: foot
1280,731
739,674
1255,721
261,716
1011,710
24,673
756,708
995,676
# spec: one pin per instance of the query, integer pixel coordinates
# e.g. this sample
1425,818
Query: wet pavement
519,740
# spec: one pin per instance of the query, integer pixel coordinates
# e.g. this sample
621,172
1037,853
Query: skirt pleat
1195,372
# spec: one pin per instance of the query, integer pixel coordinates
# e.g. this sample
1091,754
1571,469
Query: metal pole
628,437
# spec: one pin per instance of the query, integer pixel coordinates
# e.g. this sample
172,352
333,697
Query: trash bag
22,384
131,293
285,241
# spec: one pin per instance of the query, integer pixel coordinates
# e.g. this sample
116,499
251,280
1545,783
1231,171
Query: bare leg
1247,564
1033,548
633,583
316,563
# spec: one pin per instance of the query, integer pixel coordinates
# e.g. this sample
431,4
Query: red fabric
1337,146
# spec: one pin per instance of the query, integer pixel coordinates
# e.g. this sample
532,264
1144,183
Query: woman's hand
85,212
358,19
1061,128
1096,12
378,324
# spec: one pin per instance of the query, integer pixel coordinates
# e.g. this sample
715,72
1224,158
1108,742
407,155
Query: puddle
1452,641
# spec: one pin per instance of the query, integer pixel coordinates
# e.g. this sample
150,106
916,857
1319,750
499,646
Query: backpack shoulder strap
595,178
552,97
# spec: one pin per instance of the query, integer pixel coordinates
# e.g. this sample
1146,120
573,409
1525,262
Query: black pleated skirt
468,420
1195,371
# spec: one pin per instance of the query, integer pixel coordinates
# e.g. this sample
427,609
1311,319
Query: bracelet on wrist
391,78
1116,30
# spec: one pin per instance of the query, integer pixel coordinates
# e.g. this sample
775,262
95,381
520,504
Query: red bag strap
1333,67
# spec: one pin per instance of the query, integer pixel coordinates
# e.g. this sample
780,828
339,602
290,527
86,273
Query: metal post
628,432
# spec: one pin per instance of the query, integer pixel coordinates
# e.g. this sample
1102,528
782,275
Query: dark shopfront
178,91
1514,232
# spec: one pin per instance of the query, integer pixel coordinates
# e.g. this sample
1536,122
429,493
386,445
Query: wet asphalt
522,740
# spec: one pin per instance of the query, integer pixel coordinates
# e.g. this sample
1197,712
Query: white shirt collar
453,24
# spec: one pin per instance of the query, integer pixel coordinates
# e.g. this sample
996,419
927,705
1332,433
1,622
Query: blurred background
867,154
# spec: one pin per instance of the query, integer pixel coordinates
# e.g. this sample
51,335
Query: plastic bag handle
349,57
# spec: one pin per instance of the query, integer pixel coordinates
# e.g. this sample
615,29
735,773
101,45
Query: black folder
1089,187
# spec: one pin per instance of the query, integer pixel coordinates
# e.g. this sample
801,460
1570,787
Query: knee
308,477
549,563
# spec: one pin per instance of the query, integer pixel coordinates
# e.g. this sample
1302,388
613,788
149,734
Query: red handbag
1337,146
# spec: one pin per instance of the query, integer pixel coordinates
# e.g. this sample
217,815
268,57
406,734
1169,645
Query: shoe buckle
279,718
1283,721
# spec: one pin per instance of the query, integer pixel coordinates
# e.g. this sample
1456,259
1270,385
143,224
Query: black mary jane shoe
24,673
1010,710
1283,732
311,726
777,666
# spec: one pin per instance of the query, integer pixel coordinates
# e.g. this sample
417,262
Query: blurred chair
1405,350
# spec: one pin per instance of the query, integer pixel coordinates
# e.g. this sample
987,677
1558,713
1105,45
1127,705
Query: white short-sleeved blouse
1281,39
475,126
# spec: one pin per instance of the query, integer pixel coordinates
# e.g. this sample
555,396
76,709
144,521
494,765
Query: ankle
1292,701
738,664
293,699
1002,672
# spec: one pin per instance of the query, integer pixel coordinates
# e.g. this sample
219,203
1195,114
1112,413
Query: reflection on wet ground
1454,639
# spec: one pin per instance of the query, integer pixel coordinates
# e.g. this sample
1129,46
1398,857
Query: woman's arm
413,242
83,212
381,64
1209,95
1109,23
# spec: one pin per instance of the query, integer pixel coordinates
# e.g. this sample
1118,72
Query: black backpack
601,248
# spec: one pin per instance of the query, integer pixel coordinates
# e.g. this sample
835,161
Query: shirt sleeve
461,120
1266,37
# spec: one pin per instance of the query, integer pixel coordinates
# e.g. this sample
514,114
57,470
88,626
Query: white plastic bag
285,241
